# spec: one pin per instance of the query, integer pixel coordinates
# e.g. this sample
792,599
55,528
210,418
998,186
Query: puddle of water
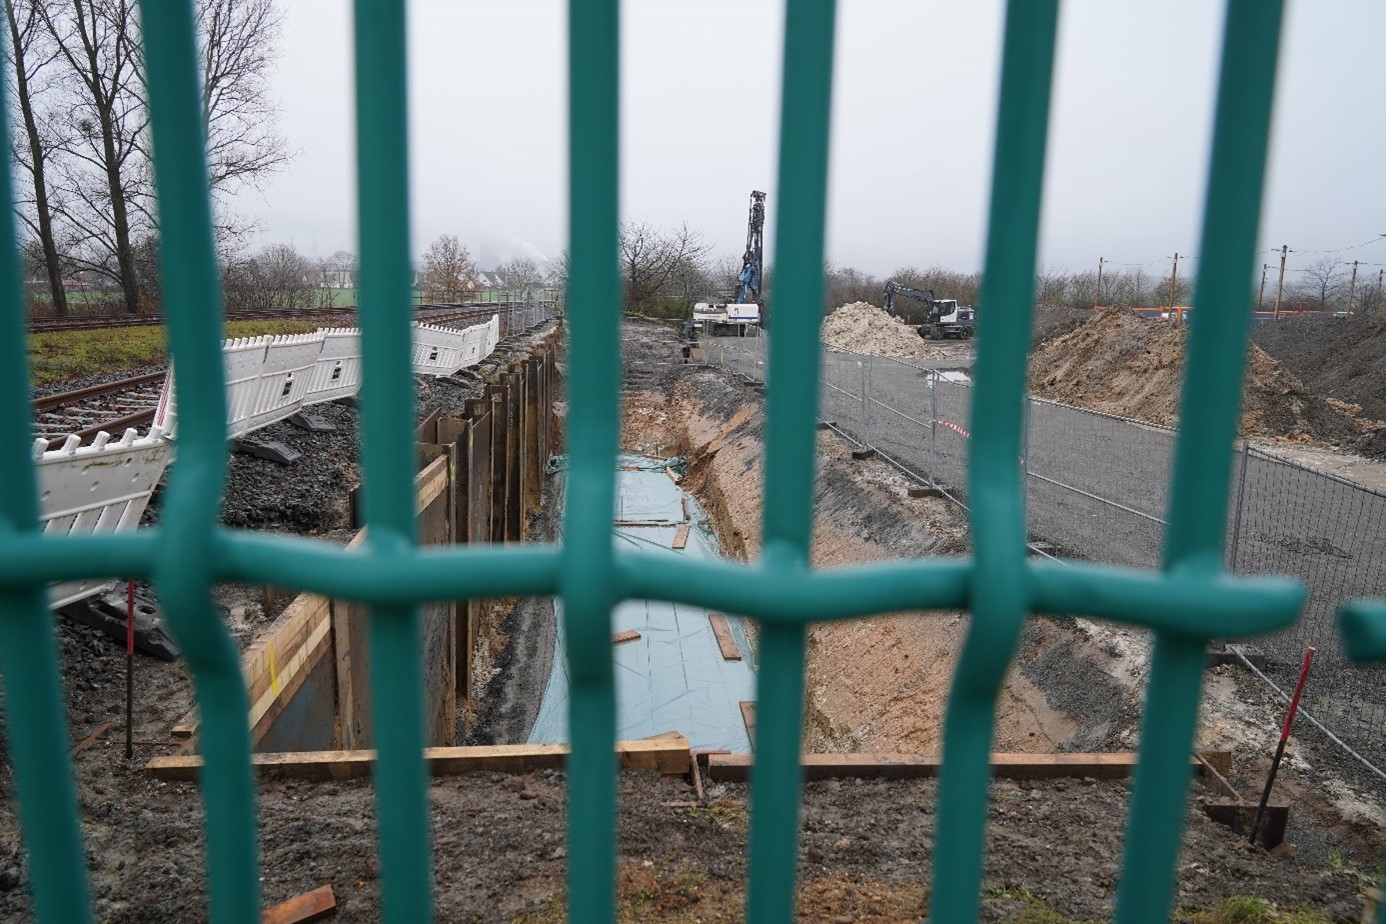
673,677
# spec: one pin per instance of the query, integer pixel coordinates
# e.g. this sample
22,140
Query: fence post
933,427
861,433
1025,464
1237,515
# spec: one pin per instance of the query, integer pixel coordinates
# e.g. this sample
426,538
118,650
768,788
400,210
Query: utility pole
1352,286
1097,302
1378,290
1173,283
1261,293
1280,287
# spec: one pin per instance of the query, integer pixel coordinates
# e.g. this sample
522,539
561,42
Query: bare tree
30,55
1322,282
653,261
448,271
102,172
520,274
275,278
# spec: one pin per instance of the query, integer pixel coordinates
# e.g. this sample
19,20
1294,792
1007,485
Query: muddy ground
866,848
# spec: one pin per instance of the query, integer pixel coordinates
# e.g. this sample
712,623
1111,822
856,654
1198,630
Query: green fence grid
1190,600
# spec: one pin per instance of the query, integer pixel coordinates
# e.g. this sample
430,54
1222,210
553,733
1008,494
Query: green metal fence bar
588,576
790,437
1362,625
388,454
1000,588
34,714
1210,406
183,573
1189,601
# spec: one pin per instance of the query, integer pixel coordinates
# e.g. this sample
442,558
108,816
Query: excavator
745,307
945,321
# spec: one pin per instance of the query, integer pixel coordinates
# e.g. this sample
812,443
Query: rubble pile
861,327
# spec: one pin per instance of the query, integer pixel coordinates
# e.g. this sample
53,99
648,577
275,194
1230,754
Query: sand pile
861,327
1127,365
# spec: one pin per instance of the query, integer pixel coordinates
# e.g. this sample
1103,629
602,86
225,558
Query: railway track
112,406
327,317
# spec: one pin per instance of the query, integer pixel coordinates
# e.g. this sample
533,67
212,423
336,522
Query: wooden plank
89,740
310,906
430,483
684,501
341,656
620,638
187,725
666,755
663,523
732,768
321,646
274,662
266,663
672,477
681,536
724,637
748,715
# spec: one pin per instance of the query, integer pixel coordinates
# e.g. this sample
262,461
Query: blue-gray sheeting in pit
672,678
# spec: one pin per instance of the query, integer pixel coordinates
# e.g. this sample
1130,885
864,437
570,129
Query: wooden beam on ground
725,642
666,754
90,739
310,906
748,715
620,638
681,536
736,768
186,725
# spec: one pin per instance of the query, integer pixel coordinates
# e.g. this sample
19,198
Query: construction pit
876,693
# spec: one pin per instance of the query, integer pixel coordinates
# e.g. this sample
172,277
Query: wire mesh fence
1097,489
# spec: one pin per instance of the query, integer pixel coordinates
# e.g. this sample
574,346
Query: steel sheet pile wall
308,675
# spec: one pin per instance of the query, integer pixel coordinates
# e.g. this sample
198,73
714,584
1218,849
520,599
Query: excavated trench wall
481,477
877,685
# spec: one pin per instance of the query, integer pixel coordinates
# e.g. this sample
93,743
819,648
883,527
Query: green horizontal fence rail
1188,602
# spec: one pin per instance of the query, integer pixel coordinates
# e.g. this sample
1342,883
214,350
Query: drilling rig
744,309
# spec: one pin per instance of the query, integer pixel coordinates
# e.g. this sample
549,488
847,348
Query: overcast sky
914,103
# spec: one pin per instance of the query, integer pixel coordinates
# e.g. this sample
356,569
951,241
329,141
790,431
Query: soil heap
1130,366
1342,358
861,327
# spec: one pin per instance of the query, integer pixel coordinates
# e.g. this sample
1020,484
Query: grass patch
1245,910
58,356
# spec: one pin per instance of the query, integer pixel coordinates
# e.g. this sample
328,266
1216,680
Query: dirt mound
1339,357
861,327
1053,321
1130,366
